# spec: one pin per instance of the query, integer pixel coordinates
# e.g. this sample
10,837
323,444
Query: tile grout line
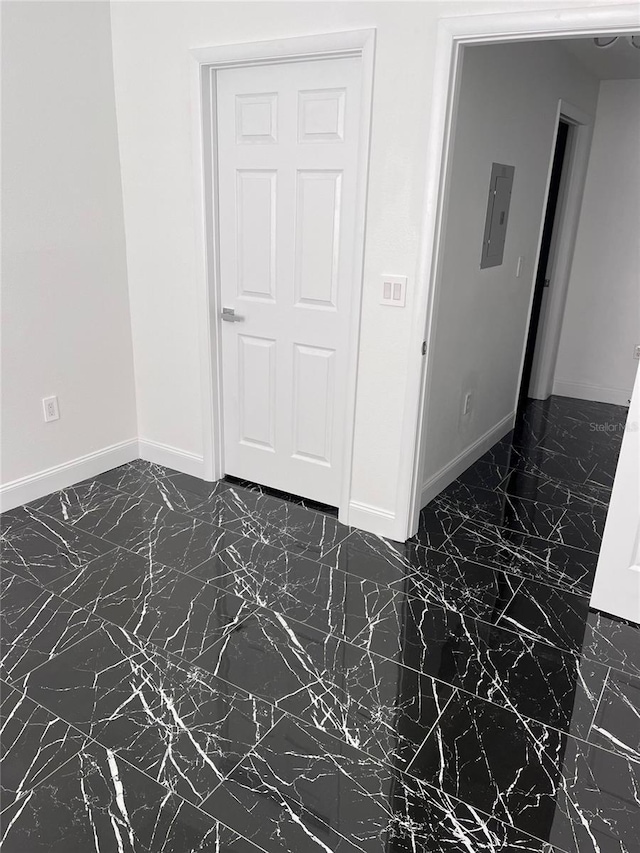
506,607
597,708
407,769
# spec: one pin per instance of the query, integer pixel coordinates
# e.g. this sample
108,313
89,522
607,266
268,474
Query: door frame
205,64
453,35
565,232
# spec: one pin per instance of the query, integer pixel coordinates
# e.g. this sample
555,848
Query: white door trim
453,34
205,62
566,227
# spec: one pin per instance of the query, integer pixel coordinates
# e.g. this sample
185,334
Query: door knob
229,315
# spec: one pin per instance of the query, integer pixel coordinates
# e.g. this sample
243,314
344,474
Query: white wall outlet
636,352
394,290
466,404
50,406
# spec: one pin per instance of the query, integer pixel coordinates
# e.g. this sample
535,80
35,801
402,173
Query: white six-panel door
287,178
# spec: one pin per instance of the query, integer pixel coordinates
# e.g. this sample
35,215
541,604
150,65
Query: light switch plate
393,290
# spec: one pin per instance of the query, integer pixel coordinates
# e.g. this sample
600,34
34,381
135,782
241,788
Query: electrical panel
495,226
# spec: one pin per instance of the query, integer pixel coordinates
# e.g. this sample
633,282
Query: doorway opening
550,234
524,479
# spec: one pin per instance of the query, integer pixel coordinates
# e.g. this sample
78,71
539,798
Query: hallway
208,667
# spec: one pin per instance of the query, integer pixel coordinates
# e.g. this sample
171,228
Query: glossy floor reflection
209,667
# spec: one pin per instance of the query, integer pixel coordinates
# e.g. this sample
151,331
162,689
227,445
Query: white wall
65,311
507,112
152,73
601,323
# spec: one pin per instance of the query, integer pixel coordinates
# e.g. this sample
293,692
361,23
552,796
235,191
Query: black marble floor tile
531,679
581,528
551,615
189,495
183,727
502,510
12,519
501,453
616,725
484,474
272,577
579,496
460,585
597,804
373,558
267,656
82,500
134,477
176,612
171,538
433,576
98,802
572,426
250,513
291,664
552,464
279,523
33,744
427,819
613,642
554,787
605,454
435,525
45,549
326,599
371,703
300,790
375,705
35,626
527,556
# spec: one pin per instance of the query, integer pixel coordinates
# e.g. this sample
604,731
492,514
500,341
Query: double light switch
394,290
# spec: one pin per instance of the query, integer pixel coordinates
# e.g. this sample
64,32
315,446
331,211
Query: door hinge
424,347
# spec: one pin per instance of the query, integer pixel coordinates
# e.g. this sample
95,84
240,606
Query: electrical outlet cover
50,407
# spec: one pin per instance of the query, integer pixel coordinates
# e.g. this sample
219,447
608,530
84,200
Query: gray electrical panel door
495,226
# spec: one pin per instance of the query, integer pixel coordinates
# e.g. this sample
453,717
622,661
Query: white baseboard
373,519
35,486
452,470
171,457
596,393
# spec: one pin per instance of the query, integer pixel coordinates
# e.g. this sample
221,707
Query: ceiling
620,61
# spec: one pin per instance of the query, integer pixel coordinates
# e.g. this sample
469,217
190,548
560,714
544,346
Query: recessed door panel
321,115
314,394
256,233
317,238
257,118
257,391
